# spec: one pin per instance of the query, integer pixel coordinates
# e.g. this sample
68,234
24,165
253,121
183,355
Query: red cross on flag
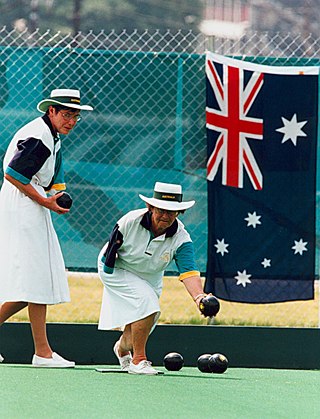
235,126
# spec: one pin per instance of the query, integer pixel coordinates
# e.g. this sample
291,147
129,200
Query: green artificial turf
28,392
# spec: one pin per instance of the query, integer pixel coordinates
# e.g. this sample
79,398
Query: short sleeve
185,259
28,159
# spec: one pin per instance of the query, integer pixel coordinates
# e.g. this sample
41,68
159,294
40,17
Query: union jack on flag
262,132
231,119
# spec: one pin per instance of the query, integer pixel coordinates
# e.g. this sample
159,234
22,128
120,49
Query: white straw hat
167,196
64,97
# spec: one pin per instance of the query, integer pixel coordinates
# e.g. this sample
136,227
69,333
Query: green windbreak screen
147,126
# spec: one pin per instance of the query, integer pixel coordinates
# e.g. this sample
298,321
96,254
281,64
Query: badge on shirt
165,257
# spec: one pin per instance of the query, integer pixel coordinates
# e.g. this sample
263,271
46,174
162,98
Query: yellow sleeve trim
188,274
59,186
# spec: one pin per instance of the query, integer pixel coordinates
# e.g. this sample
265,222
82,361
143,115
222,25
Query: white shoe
55,362
124,361
144,367
1,358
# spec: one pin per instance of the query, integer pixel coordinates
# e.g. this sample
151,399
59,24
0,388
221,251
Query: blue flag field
261,173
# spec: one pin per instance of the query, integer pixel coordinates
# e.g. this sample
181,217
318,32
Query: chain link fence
148,124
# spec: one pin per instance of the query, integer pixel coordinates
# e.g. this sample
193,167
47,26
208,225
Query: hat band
165,196
66,99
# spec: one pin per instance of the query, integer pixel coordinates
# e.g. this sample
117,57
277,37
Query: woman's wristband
198,296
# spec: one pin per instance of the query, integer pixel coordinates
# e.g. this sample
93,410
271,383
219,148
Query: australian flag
262,143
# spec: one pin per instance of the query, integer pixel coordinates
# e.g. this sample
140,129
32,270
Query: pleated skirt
126,298
31,263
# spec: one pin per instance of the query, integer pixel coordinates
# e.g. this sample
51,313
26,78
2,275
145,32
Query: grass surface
28,392
178,308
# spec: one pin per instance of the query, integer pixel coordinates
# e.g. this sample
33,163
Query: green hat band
167,196
66,99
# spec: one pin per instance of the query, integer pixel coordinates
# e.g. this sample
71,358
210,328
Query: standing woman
32,270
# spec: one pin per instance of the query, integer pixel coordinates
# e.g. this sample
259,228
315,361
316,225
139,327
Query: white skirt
126,298
31,263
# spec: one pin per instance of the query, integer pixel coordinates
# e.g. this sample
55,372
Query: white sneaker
144,367
55,362
124,361
1,358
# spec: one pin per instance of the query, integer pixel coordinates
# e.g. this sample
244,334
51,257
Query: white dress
132,291
31,263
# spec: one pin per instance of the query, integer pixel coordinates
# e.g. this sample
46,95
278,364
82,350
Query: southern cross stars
266,263
243,278
292,129
299,247
221,247
253,219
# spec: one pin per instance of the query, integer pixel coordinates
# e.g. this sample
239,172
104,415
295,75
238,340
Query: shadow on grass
93,368
201,377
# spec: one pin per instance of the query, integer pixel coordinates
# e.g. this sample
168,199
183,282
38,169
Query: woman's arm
32,193
194,287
